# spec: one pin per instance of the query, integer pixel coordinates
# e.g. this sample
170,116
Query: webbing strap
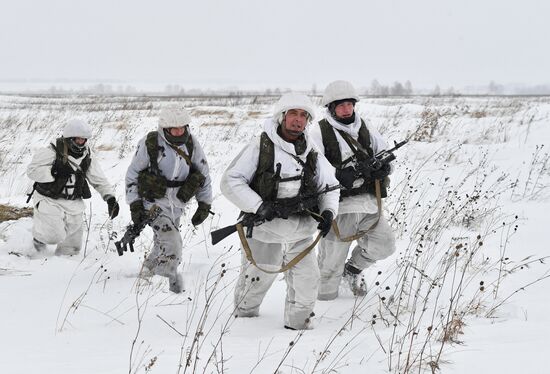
181,153
290,264
362,232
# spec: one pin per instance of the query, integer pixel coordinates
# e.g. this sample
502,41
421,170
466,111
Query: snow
471,166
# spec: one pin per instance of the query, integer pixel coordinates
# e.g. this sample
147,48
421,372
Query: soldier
168,169
346,140
275,168
61,173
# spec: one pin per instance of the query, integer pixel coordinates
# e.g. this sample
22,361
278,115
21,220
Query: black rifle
283,209
366,167
133,231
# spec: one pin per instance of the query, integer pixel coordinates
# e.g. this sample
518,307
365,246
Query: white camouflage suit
59,221
167,249
355,213
276,242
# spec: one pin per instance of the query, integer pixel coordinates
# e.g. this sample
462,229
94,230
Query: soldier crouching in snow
61,173
272,169
168,169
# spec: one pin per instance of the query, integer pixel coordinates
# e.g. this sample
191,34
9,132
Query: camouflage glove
381,173
138,212
112,206
346,177
325,225
200,214
191,186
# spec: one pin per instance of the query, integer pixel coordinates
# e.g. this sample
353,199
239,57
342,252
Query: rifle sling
362,233
284,268
182,154
352,143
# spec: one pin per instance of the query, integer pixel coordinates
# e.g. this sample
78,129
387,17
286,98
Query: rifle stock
220,234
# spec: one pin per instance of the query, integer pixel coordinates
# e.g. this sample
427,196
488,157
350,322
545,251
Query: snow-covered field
466,291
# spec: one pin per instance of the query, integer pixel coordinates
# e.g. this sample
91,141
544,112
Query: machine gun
283,209
364,168
133,231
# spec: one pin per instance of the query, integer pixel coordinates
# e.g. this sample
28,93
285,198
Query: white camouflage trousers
53,225
167,247
302,281
377,244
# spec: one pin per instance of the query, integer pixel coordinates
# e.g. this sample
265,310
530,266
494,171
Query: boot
355,282
176,283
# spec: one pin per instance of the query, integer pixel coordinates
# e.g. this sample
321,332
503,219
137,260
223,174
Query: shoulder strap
61,150
189,142
332,148
152,145
267,153
308,186
364,138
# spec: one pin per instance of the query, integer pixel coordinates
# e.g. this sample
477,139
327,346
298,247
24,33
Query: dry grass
478,114
10,213
106,147
210,112
227,123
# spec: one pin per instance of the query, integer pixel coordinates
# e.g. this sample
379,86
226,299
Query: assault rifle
283,209
133,231
366,167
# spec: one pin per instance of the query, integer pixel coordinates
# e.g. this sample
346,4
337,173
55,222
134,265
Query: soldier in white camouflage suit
168,169
281,164
344,138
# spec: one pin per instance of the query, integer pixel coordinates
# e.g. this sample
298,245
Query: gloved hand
200,214
266,211
112,206
346,177
381,173
138,212
325,225
61,170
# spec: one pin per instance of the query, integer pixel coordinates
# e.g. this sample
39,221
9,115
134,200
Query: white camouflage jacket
173,167
40,170
365,203
238,176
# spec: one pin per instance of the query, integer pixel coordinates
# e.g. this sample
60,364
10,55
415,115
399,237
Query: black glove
381,173
325,225
346,177
112,207
138,212
61,170
200,214
266,211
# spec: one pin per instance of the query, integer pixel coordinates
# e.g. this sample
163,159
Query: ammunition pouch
151,186
190,187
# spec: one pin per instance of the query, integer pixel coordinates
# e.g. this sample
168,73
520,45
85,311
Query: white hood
352,128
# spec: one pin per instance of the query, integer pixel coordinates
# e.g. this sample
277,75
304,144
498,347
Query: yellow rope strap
362,232
291,263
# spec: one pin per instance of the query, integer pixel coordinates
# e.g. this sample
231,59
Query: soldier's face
176,131
80,141
344,110
295,123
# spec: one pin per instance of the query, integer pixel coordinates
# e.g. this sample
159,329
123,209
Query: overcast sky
279,43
